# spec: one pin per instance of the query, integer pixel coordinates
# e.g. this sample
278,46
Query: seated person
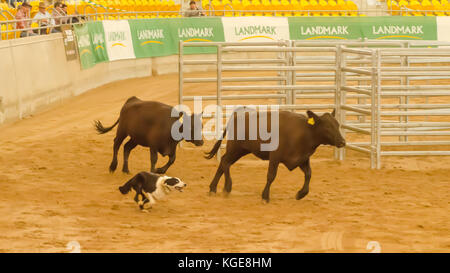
44,19
22,15
193,10
58,12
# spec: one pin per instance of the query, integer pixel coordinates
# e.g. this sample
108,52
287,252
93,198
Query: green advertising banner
152,37
197,30
97,36
399,28
143,38
313,28
87,59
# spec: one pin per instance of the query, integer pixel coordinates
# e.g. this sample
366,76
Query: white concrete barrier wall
34,73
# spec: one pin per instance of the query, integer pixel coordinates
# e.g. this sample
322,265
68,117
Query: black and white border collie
150,187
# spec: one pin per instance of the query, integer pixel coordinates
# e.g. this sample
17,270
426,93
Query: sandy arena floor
55,188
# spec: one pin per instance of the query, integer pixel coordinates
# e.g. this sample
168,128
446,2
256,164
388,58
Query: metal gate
372,84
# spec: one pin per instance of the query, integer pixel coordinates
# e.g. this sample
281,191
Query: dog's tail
100,129
126,188
216,147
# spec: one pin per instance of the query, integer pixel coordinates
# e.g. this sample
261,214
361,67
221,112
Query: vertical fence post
342,95
288,73
373,114
337,91
403,99
292,62
378,100
180,75
407,63
280,56
180,72
375,149
219,98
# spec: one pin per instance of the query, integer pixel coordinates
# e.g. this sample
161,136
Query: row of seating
287,8
419,7
251,7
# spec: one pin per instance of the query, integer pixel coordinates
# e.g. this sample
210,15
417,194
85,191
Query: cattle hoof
212,193
300,195
265,201
112,167
226,194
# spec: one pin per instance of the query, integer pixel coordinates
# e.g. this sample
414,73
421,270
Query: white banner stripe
119,44
255,29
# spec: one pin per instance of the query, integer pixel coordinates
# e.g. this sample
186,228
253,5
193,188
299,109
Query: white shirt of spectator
46,15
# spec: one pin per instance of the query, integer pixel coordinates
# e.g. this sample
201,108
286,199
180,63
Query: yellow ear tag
181,119
311,121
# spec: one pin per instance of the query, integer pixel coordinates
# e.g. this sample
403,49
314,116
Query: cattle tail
216,147
102,130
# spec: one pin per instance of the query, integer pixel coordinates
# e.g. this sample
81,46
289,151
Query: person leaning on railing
58,13
193,10
23,22
44,19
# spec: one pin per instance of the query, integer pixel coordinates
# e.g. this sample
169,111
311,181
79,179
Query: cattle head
192,128
326,128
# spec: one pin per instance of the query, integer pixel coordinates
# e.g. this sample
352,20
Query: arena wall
34,73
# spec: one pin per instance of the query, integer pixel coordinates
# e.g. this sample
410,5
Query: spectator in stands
72,19
44,19
193,10
22,15
12,3
57,13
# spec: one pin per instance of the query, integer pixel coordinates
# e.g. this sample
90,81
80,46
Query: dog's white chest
158,193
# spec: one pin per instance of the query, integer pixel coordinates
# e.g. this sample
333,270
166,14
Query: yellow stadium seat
227,6
218,7
285,7
304,5
266,5
352,7
324,7
393,7
439,9
332,5
236,4
314,8
415,5
295,6
427,7
3,28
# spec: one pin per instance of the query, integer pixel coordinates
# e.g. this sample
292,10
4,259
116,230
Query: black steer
299,138
149,124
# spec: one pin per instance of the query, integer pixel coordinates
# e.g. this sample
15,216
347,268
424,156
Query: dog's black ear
171,181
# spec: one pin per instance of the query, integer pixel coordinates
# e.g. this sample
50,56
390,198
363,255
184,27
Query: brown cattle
149,124
299,138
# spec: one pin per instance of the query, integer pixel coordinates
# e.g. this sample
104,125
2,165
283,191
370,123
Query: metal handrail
7,11
4,16
92,7
69,19
211,8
